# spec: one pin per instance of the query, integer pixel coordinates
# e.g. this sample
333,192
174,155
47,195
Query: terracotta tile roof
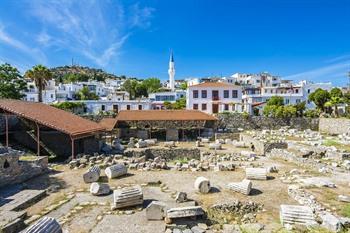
164,115
51,117
108,123
214,84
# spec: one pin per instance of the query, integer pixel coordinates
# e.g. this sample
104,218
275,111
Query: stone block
156,210
98,189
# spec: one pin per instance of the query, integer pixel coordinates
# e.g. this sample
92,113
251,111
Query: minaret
171,72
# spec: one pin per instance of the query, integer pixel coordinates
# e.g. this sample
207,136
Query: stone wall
13,170
334,126
225,135
165,153
232,122
261,147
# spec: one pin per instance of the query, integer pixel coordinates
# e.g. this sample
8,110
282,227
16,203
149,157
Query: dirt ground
82,212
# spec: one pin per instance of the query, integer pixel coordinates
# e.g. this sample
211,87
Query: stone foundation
165,153
13,170
261,147
232,122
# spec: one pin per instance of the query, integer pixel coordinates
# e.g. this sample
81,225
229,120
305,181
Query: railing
215,98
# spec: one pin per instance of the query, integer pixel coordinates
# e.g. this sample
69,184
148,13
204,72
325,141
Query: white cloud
140,16
7,39
95,29
325,73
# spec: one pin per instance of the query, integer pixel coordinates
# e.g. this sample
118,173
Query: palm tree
334,102
40,75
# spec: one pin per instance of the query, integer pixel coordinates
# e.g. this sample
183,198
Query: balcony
215,98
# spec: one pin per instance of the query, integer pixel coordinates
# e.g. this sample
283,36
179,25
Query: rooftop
51,117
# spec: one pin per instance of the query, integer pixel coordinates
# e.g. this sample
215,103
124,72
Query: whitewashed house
48,94
214,97
97,106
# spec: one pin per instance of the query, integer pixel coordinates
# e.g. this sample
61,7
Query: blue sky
298,39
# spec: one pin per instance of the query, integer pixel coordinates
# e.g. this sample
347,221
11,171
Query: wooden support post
72,142
150,133
38,138
199,132
183,134
7,130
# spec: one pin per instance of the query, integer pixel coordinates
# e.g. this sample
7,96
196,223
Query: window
115,107
204,94
226,94
195,94
297,101
195,106
287,101
234,94
103,107
226,107
308,91
128,107
297,91
140,107
204,107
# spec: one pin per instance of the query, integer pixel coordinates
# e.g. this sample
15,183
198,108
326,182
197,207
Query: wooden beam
7,130
38,138
72,144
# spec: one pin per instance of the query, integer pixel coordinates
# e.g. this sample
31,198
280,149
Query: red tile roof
214,84
164,115
108,123
51,117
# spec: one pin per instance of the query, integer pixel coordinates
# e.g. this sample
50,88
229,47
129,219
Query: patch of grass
345,211
338,145
330,142
28,157
181,160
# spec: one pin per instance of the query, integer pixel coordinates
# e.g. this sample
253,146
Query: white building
255,80
192,81
214,97
292,94
66,91
159,98
97,106
48,94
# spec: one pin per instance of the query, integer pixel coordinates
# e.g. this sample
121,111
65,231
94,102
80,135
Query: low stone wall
13,170
334,126
165,153
232,122
261,147
232,136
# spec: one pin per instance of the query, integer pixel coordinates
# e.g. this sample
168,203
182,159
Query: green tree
334,102
300,108
141,90
180,103
152,85
320,97
12,83
130,86
168,105
275,100
85,94
183,86
336,92
40,75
